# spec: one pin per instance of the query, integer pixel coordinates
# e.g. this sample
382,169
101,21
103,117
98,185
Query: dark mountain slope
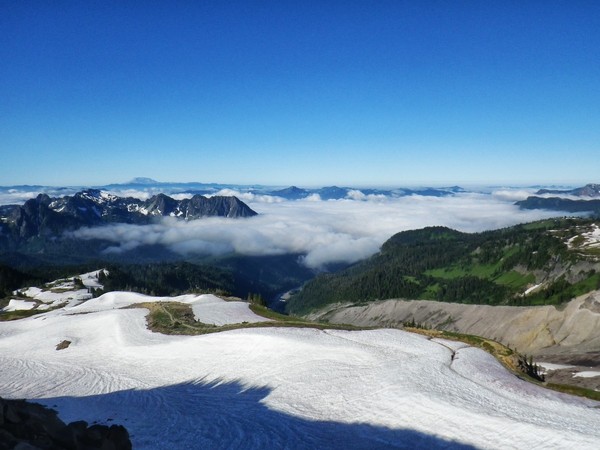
44,216
494,267
589,203
561,204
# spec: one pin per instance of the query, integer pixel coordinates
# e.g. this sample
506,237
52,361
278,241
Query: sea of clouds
324,232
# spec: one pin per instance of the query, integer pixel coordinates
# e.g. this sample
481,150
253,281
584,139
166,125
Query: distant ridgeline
337,193
45,217
561,204
587,200
34,248
545,262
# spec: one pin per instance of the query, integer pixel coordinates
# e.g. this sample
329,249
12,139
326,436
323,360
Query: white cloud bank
18,196
324,231
513,195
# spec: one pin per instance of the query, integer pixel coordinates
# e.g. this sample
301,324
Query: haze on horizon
311,93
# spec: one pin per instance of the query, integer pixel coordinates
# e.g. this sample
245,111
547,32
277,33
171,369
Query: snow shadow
228,415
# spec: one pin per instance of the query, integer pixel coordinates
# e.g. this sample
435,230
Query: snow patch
587,374
64,291
207,308
532,288
19,305
551,366
591,239
216,311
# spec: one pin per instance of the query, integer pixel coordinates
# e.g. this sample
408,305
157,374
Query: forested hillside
545,262
234,275
11,279
241,276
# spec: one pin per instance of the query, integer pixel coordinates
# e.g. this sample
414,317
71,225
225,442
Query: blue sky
305,93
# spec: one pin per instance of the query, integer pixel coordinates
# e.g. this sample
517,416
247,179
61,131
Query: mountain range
587,200
287,193
291,192
46,216
589,190
150,186
561,204
338,193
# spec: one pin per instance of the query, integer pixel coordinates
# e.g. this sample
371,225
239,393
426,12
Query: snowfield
278,387
18,305
207,308
57,293
588,374
591,239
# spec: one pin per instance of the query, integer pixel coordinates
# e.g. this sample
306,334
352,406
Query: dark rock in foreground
30,426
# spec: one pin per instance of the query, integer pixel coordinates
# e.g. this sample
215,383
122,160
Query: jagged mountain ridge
589,190
45,216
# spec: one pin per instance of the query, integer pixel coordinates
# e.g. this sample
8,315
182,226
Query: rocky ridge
46,216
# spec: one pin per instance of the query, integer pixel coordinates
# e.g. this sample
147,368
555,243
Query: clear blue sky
304,92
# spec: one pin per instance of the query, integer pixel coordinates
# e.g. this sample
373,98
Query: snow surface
279,387
90,279
207,308
19,305
213,310
60,292
587,374
52,299
591,238
552,366
30,292
531,289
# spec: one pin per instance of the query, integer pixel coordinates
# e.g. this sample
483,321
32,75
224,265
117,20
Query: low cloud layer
323,231
18,196
250,197
513,195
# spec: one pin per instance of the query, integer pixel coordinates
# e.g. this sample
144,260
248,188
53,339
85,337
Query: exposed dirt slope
538,330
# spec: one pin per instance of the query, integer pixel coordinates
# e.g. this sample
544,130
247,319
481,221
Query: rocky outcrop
29,426
200,206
